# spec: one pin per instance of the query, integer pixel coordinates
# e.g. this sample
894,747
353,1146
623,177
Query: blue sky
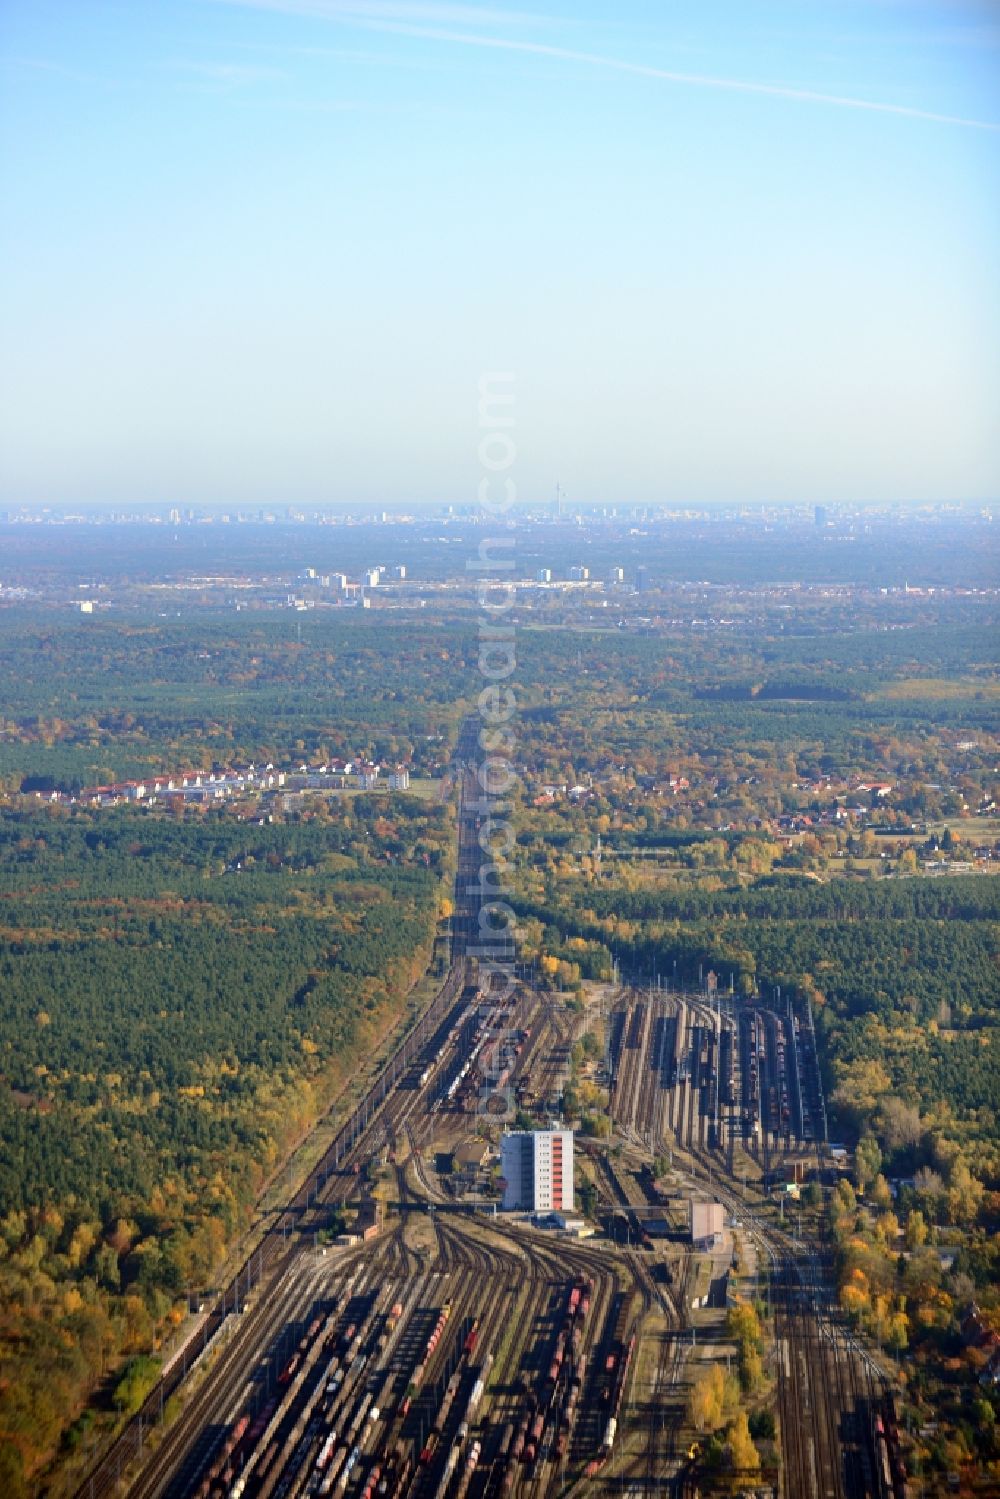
260,251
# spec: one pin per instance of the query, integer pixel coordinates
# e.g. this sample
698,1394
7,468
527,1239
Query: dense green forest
181,996
100,699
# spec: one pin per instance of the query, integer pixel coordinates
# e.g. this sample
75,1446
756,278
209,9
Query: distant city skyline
259,252
537,515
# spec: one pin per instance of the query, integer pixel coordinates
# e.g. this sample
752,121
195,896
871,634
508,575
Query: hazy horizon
539,507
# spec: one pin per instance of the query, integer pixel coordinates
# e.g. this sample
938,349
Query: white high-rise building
537,1168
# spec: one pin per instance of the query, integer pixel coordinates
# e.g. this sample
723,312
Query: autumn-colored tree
881,1193
854,1299
867,1161
965,1193
899,1124
743,1324
741,1452
706,1398
898,1332
916,1230
843,1199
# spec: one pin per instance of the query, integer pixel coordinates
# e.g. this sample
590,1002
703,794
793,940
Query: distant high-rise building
641,579
399,572
373,577
543,575
819,515
537,1168
579,574
616,575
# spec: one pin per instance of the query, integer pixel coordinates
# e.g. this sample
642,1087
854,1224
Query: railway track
702,1075
527,1276
373,1366
827,1384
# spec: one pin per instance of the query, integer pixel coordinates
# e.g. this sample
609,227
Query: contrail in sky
392,16
694,80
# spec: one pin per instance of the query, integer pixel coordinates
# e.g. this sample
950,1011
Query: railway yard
714,1075
444,1350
